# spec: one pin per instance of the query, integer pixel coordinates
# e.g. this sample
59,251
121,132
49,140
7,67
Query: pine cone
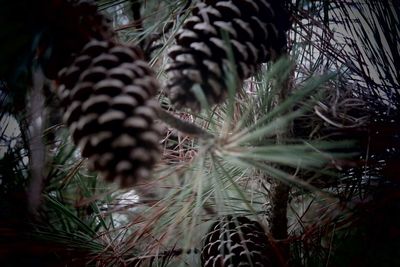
256,30
235,241
70,25
47,31
106,94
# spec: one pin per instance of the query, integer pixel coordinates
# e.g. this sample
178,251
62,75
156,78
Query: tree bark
36,146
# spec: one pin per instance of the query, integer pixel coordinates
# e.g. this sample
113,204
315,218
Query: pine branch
280,189
279,201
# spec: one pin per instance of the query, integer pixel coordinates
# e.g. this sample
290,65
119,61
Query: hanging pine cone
256,34
107,94
236,241
48,32
69,26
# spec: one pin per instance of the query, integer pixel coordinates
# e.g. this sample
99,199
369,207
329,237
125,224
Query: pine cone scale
253,38
236,241
107,92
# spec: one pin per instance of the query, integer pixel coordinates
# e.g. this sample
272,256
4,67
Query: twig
163,255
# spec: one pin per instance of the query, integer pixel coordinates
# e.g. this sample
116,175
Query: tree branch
280,190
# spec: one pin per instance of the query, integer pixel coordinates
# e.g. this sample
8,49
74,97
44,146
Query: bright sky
10,128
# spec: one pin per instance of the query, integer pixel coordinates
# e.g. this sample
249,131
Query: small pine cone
71,24
256,31
235,241
106,94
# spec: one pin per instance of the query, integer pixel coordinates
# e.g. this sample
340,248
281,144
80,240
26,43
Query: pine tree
85,97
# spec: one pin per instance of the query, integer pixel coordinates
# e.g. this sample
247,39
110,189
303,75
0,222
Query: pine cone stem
135,7
183,126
